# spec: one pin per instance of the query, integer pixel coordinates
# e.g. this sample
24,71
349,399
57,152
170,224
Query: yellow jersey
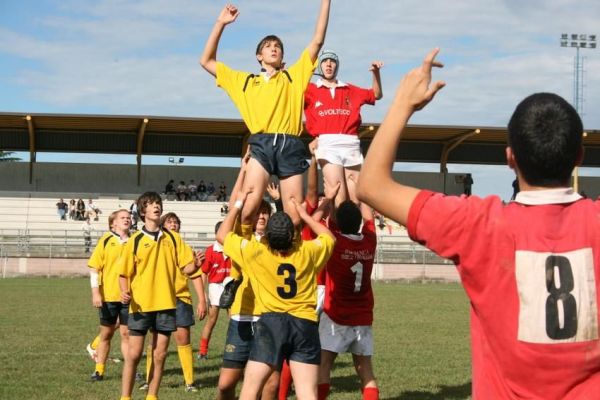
273,105
244,303
182,290
151,267
283,283
104,259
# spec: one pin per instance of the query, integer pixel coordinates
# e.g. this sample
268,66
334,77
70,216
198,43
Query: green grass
421,345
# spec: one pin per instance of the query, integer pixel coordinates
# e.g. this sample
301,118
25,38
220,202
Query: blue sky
141,57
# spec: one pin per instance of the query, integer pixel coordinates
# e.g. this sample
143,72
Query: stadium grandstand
34,241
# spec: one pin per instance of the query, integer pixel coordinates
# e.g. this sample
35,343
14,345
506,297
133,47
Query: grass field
421,345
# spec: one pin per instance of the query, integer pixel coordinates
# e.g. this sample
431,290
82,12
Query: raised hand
416,89
376,66
228,14
273,191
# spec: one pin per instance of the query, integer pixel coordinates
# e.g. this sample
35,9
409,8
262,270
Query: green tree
7,156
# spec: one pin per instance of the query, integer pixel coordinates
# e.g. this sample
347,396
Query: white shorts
342,338
339,149
215,290
320,298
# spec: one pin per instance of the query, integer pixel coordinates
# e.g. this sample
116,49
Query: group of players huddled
532,286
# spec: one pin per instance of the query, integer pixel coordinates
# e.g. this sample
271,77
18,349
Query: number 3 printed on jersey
290,288
557,295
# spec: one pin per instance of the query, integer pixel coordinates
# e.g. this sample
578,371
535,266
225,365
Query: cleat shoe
201,356
92,353
96,377
191,388
144,387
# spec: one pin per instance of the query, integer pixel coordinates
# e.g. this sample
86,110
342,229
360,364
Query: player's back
348,293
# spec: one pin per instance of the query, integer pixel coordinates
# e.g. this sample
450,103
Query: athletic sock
285,380
125,398
186,359
204,346
151,397
94,344
323,390
370,393
149,361
100,369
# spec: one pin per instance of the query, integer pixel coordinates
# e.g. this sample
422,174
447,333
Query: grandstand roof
153,135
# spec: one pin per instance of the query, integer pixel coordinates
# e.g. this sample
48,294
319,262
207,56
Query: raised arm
316,227
312,182
320,30
208,59
375,68
376,187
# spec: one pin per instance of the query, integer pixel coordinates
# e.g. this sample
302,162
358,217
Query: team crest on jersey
318,104
229,348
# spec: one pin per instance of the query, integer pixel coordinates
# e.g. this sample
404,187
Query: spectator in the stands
210,189
170,188
134,216
181,191
72,209
87,229
62,209
222,192
202,191
92,210
192,190
224,209
80,213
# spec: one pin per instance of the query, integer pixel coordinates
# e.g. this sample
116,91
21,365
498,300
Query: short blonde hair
113,216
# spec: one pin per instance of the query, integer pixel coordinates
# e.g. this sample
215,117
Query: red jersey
348,291
216,264
531,270
338,114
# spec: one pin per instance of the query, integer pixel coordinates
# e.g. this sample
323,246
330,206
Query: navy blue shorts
111,311
279,154
280,336
237,344
184,315
159,321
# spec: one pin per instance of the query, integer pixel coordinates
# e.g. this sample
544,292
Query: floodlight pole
579,41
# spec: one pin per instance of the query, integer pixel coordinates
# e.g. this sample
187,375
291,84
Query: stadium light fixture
177,161
578,41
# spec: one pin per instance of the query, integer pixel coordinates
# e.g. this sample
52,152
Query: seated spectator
170,188
181,191
224,209
210,189
80,210
202,191
72,209
192,190
92,210
62,208
222,192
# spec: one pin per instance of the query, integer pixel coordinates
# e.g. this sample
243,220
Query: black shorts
279,154
237,344
184,315
280,336
111,311
159,321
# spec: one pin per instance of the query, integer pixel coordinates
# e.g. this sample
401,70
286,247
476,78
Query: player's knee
159,355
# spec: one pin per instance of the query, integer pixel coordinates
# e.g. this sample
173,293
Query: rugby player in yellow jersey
106,294
271,104
148,270
282,271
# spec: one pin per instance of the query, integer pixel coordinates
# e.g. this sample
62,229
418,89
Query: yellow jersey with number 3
282,283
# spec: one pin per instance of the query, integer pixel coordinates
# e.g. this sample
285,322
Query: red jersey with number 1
348,292
216,264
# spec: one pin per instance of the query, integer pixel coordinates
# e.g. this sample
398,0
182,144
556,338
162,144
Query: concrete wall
63,178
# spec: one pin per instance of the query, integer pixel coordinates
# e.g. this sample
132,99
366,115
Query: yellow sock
186,359
125,398
94,344
149,360
100,369
151,397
